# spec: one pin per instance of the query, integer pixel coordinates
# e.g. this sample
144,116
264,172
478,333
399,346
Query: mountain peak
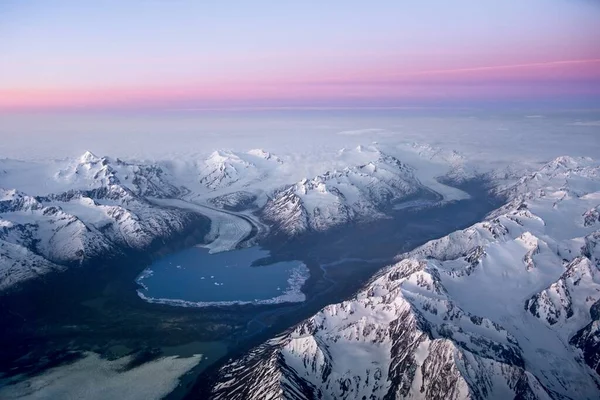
264,154
88,157
567,162
219,156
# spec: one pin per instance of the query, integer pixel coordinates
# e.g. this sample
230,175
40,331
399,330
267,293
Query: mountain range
507,308
65,213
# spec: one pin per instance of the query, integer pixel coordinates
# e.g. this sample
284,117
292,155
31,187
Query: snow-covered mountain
507,308
337,197
92,172
457,164
100,215
224,168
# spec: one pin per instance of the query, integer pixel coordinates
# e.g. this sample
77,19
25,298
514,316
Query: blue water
194,275
415,203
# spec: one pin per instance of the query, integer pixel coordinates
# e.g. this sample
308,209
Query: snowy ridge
21,264
507,308
592,216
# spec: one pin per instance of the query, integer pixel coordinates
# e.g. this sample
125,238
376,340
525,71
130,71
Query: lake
194,277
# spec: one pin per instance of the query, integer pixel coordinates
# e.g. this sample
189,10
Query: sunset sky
159,54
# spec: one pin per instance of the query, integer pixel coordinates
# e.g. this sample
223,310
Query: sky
202,55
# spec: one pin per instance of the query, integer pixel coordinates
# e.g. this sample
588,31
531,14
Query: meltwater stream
194,277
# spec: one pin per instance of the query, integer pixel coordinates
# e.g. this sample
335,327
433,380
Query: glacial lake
196,278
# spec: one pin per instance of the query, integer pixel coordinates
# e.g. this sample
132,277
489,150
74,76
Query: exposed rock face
588,339
592,216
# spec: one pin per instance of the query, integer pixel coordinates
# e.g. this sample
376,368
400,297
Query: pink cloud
542,79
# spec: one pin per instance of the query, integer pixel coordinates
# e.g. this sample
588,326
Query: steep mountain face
357,193
40,234
507,308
